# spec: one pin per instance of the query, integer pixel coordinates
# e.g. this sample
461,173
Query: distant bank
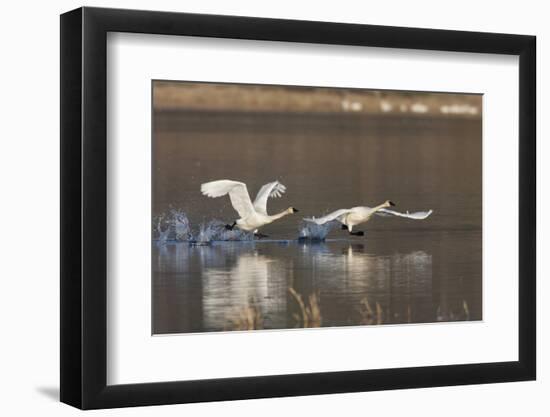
265,98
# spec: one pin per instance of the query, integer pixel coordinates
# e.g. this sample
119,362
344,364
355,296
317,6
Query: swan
252,215
357,215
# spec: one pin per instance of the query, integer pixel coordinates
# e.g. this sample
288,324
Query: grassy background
169,95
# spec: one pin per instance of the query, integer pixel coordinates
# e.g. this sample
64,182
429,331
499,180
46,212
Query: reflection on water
215,288
254,278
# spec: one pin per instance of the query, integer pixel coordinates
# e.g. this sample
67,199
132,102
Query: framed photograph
257,208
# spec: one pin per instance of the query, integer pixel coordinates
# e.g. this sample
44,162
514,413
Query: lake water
401,271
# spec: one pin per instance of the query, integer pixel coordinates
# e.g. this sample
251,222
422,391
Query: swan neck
279,215
381,206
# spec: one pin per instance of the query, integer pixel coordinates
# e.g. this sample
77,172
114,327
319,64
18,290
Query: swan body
357,215
253,215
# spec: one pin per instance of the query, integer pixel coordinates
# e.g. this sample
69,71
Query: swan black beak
295,210
392,204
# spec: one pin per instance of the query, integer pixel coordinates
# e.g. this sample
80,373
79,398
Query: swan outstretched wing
418,215
238,194
329,217
272,189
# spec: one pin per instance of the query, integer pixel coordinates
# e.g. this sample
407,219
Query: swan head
389,203
291,210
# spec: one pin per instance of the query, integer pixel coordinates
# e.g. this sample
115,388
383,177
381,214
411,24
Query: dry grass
460,313
248,317
310,310
368,315
466,310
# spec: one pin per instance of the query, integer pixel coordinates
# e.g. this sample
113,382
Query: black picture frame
84,207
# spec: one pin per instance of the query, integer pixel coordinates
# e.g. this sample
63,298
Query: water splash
313,231
182,229
174,226
162,234
215,230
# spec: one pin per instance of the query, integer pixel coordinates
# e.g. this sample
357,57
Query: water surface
401,271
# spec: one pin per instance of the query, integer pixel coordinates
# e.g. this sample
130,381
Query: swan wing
418,215
329,217
238,194
273,189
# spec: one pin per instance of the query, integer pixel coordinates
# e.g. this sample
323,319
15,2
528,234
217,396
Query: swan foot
230,226
359,233
260,235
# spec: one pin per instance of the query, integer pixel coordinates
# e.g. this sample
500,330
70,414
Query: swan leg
358,233
344,227
230,226
260,235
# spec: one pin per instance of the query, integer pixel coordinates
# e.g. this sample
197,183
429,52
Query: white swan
253,215
357,215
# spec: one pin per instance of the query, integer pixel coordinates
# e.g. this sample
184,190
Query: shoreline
260,99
